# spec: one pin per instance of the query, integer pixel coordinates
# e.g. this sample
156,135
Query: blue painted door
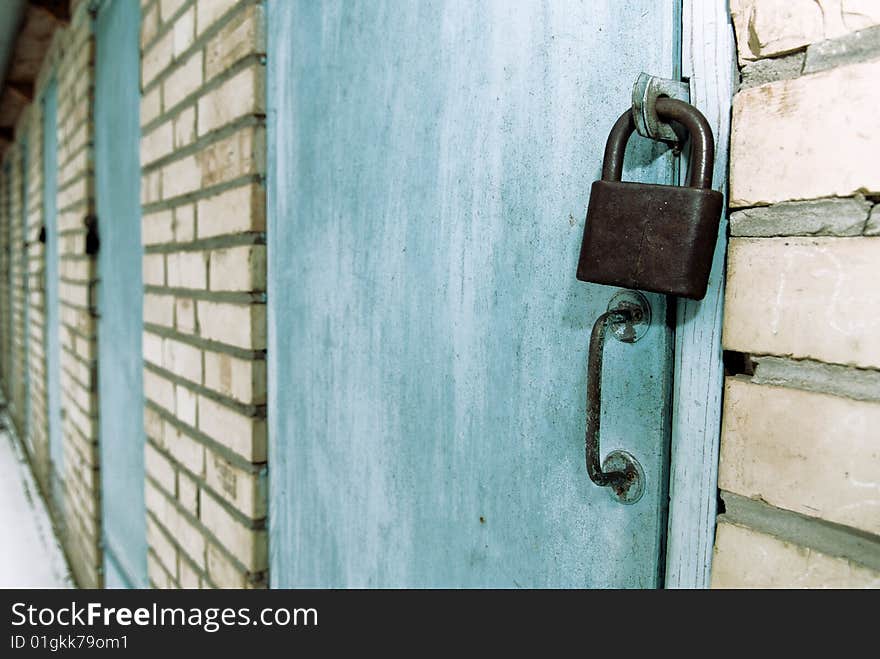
120,298
51,277
429,171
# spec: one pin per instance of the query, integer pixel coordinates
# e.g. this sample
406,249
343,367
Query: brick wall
77,514
203,159
800,450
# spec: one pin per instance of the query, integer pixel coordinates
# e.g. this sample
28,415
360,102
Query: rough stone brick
156,59
184,449
805,298
854,47
239,325
748,559
829,471
783,147
771,27
818,217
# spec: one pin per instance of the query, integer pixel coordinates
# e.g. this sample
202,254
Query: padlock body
658,238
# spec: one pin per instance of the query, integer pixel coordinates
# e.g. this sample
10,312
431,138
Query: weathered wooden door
52,339
429,171
120,299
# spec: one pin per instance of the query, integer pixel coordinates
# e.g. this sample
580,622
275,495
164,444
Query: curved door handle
629,316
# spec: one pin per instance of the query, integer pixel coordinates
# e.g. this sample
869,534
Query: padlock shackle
702,156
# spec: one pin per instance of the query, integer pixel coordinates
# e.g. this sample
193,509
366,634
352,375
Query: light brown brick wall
70,60
800,447
203,159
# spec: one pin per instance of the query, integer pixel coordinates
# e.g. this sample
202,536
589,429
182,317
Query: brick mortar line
202,142
199,43
251,410
202,193
201,438
203,295
181,552
206,344
819,535
240,239
209,536
251,523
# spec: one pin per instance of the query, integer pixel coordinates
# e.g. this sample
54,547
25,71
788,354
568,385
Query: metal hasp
649,237
628,317
646,91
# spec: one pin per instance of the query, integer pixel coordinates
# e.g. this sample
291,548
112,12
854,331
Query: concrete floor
30,554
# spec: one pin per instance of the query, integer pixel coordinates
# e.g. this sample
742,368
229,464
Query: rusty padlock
657,238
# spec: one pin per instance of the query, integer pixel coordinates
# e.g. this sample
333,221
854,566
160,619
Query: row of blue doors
427,177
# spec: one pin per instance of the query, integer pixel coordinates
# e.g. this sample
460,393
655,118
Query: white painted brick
241,95
805,298
233,211
239,325
154,269
186,405
208,11
188,270
241,379
188,493
180,177
184,449
157,143
185,314
747,559
243,35
183,80
159,390
157,228
159,309
185,127
156,59
247,545
183,359
159,468
223,572
813,453
239,433
814,136
240,268
244,490
184,32
184,223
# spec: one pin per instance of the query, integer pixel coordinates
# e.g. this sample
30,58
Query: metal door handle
629,316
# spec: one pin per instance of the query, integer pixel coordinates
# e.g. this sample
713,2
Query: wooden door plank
708,60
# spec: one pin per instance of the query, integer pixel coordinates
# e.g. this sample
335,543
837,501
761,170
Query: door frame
698,374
